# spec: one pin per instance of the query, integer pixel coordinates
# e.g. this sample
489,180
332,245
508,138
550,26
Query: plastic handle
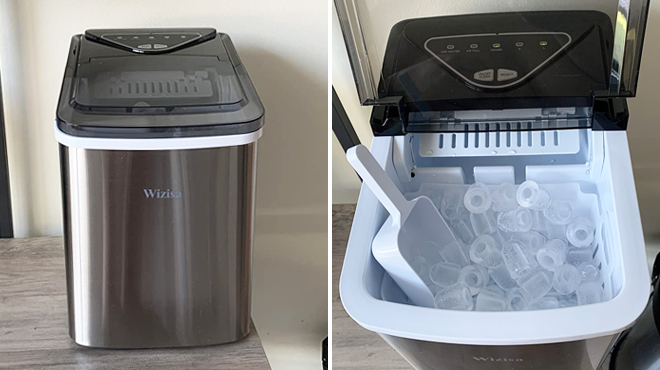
380,184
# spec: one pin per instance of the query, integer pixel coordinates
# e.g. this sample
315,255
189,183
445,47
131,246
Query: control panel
149,42
498,60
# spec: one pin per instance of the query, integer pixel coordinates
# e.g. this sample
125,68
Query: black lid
154,83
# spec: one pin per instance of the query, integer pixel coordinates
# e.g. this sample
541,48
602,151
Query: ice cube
444,274
504,198
544,303
483,223
456,252
462,229
454,297
552,254
488,300
475,276
485,252
494,288
537,283
434,194
500,238
589,272
517,260
502,278
421,267
531,195
451,206
559,212
555,231
533,240
517,299
538,221
566,279
477,198
517,220
577,256
569,300
589,292
431,252
580,232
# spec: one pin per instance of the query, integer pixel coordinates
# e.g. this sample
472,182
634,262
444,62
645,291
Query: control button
450,47
145,46
519,44
159,46
485,75
506,74
474,46
543,43
497,45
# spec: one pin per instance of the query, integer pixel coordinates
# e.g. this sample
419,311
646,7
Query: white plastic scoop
411,225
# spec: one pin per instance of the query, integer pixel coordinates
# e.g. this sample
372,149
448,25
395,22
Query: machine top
156,83
428,67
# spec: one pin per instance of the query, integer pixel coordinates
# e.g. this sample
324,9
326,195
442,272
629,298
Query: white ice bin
559,120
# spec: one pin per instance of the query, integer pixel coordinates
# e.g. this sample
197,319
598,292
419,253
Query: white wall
643,131
277,40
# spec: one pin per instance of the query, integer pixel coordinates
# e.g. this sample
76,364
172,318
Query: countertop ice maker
496,92
158,133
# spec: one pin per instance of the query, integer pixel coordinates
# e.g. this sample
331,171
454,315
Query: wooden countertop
34,324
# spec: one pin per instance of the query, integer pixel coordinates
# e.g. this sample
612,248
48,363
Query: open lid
149,83
429,66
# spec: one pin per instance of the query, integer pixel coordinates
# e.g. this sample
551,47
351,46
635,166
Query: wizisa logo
163,194
497,359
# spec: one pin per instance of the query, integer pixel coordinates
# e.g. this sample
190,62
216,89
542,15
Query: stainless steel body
579,355
158,245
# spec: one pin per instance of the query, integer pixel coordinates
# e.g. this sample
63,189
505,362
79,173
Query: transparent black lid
442,66
156,83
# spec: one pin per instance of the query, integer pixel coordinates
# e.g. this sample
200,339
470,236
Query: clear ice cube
488,300
494,288
454,297
577,256
589,272
431,252
483,223
544,303
517,259
517,220
477,198
475,276
462,229
500,238
456,252
504,198
589,293
566,279
421,267
531,195
451,206
559,212
484,251
502,278
552,254
533,240
537,283
569,300
538,221
517,299
580,232
554,231
444,274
